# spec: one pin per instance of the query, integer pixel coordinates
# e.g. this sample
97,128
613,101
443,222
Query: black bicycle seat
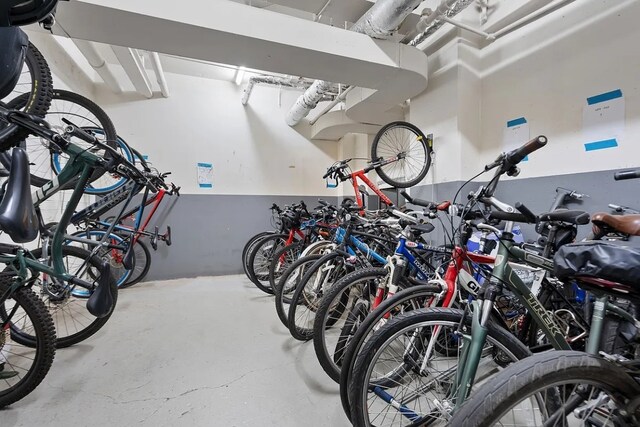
17,214
423,228
566,215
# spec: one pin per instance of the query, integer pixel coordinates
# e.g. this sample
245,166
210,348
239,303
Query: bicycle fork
472,346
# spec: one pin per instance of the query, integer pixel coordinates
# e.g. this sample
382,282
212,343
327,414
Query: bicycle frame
362,175
503,274
78,170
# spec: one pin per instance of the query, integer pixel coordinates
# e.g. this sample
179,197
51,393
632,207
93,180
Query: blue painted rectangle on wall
601,145
516,122
596,99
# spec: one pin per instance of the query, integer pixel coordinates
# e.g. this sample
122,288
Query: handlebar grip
326,175
514,157
506,216
630,174
407,197
526,212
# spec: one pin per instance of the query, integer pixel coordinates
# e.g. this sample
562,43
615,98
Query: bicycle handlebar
628,174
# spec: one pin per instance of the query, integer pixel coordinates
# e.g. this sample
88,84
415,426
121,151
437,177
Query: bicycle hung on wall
59,283
400,154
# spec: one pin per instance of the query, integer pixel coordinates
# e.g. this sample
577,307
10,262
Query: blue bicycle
359,243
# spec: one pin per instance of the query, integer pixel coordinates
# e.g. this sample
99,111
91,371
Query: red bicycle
400,154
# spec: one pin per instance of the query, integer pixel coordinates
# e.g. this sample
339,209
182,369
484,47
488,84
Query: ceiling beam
134,68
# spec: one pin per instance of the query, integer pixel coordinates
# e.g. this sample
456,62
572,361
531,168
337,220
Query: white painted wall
550,82
544,72
252,149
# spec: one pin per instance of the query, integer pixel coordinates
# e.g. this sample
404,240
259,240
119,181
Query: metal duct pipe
271,80
431,23
98,63
338,99
380,22
307,101
157,68
384,18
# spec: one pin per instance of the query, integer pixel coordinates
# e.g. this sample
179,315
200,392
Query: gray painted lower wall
209,232
538,194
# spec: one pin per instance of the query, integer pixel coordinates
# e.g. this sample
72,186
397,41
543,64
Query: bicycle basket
14,44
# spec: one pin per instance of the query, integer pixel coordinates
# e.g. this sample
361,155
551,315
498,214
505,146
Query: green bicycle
27,334
421,366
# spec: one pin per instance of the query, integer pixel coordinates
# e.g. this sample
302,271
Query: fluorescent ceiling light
240,75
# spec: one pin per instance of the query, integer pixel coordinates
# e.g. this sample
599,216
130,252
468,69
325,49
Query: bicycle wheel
36,86
317,280
141,264
22,367
286,286
260,260
106,182
406,300
340,313
282,259
114,257
557,388
344,309
410,151
394,385
46,163
246,251
69,312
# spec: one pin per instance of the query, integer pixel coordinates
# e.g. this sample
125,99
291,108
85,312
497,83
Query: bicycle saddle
425,228
17,214
628,224
566,215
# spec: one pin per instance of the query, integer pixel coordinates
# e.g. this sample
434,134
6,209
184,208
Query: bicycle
60,283
121,243
569,387
473,327
391,154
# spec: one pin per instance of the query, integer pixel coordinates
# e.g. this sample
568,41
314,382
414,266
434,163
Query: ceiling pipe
160,77
430,23
318,15
333,103
531,17
133,67
271,80
380,22
98,63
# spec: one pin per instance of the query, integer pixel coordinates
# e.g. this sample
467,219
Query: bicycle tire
246,250
282,259
261,254
332,361
397,327
326,315
545,370
45,340
284,289
141,266
403,144
45,167
118,270
37,100
54,307
368,326
301,323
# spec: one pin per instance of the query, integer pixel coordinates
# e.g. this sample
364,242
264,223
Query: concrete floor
194,352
